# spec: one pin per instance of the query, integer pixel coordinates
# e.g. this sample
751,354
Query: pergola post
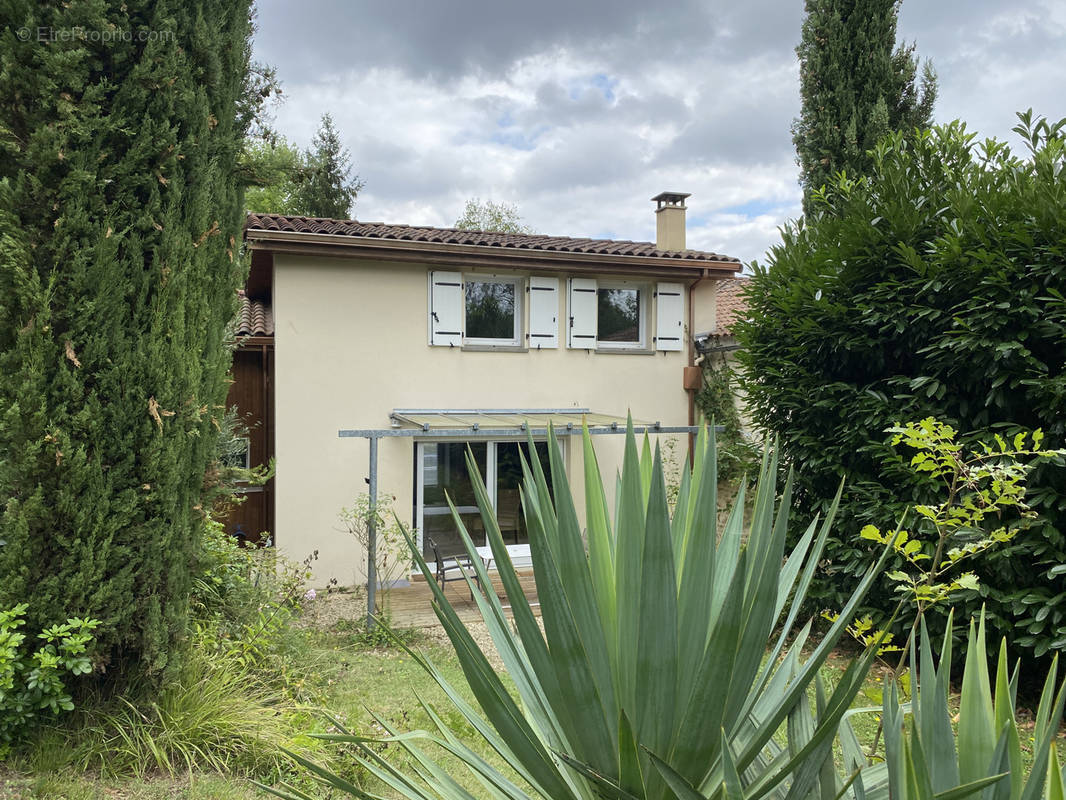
372,537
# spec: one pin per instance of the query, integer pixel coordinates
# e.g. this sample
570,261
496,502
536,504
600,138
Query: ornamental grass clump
927,759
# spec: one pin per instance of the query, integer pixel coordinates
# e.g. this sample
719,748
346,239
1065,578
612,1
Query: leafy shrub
983,507
32,684
717,401
244,604
934,287
230,580
240,694
390,550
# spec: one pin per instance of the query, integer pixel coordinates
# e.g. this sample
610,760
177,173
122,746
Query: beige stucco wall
352,344
703,316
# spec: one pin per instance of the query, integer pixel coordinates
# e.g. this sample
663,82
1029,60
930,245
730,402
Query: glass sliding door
508,479
440,468
444,472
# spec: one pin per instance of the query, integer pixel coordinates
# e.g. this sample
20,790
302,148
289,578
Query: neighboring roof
729,304
274,227
255,318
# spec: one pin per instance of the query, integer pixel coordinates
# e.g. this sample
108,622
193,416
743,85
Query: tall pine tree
856,85
120,222
325,185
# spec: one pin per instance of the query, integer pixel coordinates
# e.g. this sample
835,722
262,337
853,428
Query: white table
519,554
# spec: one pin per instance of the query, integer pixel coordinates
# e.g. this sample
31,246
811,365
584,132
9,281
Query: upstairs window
473,309
618,317
608,314
492,312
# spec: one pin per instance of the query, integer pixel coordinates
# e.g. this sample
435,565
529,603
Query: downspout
692,362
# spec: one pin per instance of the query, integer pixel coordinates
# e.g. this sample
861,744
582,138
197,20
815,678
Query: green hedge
934,287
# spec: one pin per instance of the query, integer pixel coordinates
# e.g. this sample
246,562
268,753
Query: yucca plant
670,654
926,759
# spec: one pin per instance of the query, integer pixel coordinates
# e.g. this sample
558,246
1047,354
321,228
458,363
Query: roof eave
446,253
245,341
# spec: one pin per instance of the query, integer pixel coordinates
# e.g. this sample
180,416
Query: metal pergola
474,424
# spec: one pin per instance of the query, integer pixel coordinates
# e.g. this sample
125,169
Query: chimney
670,220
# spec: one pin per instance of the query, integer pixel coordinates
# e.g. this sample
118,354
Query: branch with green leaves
984,483
980,484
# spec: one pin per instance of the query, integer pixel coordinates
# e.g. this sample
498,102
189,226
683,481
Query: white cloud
580,113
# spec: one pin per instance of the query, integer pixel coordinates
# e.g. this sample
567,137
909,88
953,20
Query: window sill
624,351
495,348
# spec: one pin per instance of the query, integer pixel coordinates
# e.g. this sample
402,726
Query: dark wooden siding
252,394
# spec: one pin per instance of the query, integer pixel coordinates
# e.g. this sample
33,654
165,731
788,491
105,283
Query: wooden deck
411,606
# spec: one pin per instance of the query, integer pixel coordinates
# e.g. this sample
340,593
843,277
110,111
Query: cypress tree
119,227
855,86
325,185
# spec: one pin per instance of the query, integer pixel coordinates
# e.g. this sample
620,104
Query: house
418,343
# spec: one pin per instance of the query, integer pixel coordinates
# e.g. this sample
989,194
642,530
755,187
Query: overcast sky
579,111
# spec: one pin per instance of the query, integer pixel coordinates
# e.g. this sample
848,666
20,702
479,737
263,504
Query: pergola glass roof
484,419
484,423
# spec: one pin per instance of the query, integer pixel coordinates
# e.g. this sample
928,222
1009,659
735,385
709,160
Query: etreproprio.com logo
95,35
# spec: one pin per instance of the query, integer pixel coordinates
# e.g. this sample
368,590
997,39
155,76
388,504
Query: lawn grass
63,786
389,684
358,683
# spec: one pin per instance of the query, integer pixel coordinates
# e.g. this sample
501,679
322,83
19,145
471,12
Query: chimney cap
671,198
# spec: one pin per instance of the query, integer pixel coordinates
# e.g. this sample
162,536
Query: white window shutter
446,309
669,313
543,312
581,309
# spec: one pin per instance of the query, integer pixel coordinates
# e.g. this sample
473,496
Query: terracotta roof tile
730,306
255,319
522,241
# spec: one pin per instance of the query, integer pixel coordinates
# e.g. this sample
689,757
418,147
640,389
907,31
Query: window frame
244,456
643,289
519,283
491,457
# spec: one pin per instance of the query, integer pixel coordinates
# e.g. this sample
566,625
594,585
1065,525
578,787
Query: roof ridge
475,238
409,226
